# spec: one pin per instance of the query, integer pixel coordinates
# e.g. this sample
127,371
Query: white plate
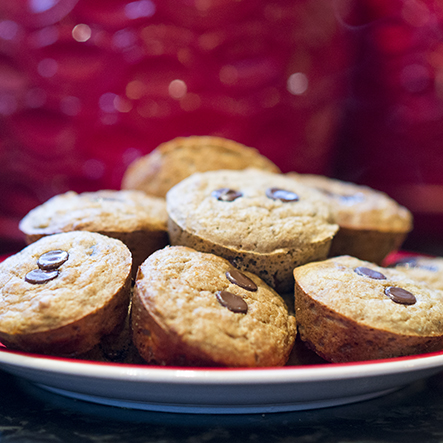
220,391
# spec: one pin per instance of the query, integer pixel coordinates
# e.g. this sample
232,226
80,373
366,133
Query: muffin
349,310
63,293
138,220
171,162
263,222
194,309
116,347
426,269
372,224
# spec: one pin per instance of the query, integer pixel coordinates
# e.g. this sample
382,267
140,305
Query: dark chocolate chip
281,194
405,261
226,194
346,199
427,267
39,276
412,262
351,199
232,302
367,272
399,295
241,280
52,259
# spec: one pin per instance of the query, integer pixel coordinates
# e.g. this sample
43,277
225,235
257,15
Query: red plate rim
3,349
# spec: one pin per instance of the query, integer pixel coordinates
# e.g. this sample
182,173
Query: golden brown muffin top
360,207
90,268
271,212
171,162
180,287
362,291
104,210
428,270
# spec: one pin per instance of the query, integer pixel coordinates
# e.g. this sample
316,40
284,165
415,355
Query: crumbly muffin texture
360,206
182,315
226,253
65,308
348,309
372,224
104,210
267,223
171,162
428,270
137,219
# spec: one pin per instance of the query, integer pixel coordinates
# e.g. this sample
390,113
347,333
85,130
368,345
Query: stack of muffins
210,256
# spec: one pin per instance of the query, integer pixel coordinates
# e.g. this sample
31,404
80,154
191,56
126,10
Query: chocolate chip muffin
426,269
138,220
63,293
372,224
194,308
349,309
171,162
263,222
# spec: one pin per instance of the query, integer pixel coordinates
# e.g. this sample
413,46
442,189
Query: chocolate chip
241,280
399,295
226,194
412,262
427,267
281,194
39,276
232,302
345,199
406,261
351,199
52,259
367,272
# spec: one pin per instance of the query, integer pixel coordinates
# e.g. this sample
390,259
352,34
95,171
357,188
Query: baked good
349,309
116,347
263,222
194,308
171,162
426,269
372,224
61,294
138,220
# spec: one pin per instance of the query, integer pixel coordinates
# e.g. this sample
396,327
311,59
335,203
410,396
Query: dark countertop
31,414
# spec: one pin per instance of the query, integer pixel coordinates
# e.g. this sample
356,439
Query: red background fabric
347,89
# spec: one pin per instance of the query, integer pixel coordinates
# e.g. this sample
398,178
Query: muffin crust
171,162
264,235
346,316
178,318
371,223
138,220
70,313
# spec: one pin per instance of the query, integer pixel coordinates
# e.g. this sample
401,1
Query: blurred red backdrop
393,133
344,88
87,86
